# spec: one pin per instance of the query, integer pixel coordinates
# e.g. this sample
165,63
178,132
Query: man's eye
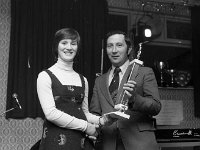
119,45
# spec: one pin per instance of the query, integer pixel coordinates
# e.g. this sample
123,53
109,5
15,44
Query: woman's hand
91,130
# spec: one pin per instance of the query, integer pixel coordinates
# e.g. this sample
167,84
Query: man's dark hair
128,41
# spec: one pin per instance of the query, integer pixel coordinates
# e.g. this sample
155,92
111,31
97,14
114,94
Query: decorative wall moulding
166,7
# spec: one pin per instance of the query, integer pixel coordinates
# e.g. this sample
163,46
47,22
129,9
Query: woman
63,95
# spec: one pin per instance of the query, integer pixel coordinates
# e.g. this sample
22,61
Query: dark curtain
33,24
195,12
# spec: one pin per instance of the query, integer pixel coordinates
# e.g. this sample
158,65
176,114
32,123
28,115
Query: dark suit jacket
137,133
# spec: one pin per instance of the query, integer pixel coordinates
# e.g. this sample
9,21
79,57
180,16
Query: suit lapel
104,85
123,81
104,88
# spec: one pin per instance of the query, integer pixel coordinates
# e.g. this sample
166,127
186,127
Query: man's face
117,49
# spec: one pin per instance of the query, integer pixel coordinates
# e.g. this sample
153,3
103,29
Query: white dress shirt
121,74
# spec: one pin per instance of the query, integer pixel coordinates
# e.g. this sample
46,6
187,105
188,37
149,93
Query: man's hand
106,120
130,88
121,107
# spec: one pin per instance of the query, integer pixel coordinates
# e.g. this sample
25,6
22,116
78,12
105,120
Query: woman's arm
100,120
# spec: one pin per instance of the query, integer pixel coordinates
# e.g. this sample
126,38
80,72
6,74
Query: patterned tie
113,88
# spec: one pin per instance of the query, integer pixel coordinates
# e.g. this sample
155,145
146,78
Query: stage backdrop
33,24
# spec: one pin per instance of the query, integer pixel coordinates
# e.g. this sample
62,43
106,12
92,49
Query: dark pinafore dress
68,99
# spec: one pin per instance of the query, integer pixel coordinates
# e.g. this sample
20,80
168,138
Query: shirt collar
123,67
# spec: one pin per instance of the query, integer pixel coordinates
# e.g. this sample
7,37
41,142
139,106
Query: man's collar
123,67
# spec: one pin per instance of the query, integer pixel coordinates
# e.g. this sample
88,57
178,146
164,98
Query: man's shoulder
145,69
102,78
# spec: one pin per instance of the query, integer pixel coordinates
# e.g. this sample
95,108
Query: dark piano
174,139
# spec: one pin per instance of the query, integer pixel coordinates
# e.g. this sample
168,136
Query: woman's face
67,49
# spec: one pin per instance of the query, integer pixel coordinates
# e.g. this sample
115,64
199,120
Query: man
137,132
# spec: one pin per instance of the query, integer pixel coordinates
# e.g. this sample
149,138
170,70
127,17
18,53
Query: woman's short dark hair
65,33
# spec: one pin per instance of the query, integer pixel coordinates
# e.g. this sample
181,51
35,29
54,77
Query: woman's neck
68,66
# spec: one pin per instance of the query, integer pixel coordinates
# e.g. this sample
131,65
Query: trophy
161,66
171,72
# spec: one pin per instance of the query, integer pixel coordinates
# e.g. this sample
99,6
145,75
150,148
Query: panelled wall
14,134
185,95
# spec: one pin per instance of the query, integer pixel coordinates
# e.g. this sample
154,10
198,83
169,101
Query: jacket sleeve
90,117
147,98
95,107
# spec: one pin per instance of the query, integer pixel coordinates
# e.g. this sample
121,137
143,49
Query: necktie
113,88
